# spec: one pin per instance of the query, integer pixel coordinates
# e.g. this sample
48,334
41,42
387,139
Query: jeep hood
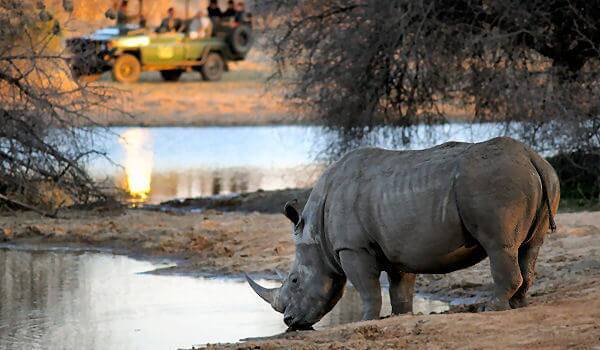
110,33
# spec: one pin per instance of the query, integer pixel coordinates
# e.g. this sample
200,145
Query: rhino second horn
282,275
270,295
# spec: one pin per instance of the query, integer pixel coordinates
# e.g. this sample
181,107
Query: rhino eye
294,280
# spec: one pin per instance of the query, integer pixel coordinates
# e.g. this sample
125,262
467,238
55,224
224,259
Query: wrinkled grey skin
408,212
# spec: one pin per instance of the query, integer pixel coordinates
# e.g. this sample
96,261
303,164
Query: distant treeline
579,175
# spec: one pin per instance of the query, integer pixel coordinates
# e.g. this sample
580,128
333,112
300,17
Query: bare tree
45,134
360,64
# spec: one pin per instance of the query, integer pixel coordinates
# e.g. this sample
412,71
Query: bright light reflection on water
81,300
138,162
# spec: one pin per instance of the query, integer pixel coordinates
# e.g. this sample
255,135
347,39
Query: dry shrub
43,141
355,65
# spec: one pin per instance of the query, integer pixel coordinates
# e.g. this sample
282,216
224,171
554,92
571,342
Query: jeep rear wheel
127,69
213,68
171,74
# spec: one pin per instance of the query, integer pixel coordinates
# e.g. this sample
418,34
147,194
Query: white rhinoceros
407,212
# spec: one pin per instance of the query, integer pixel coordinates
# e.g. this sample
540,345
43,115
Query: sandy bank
240,98
234,242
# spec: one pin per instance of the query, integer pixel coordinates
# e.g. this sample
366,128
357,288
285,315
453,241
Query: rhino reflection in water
407,212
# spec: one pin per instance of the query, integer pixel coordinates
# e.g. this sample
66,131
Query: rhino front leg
361,269
402,287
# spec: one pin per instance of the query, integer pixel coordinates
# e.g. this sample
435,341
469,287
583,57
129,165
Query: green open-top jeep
129,50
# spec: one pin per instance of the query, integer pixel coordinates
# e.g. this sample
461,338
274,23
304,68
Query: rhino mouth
299,326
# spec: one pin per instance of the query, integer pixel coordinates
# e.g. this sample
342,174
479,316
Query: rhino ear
291,212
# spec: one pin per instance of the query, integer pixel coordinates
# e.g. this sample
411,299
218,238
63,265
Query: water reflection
178,162
75,300
166,163
138,162
57,300
188,183
348,308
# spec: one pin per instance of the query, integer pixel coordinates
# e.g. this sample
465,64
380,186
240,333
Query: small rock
369,332
6,234
34,230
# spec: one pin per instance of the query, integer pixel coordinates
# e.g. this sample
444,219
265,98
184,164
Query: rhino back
434,210
397,203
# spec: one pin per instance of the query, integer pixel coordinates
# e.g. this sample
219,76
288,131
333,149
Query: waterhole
65,299
164,163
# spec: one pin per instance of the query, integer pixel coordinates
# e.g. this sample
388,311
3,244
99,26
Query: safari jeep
127,51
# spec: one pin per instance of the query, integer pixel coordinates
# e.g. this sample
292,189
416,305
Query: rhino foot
518,302
497,305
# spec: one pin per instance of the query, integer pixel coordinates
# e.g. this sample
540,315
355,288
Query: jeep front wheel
213,68
171,74
127,69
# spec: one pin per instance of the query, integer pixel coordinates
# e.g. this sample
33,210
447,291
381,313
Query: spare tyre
240,39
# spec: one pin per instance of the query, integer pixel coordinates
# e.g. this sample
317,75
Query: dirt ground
568,320
240,98
565,299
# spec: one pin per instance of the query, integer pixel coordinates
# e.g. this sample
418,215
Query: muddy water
81,300
159,164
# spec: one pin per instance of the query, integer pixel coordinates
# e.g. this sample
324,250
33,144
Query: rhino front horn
270,295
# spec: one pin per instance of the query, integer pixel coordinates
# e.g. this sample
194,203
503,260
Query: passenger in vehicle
240,13
201,26
123,18
214,11
170,24
230,12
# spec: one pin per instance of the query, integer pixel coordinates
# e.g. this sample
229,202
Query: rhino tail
545,172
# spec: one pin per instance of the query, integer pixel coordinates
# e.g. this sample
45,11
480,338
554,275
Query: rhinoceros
429,211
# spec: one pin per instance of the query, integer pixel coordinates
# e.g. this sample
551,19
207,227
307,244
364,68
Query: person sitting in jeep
201,26
230,12
170,24
241,16
123,18
214,11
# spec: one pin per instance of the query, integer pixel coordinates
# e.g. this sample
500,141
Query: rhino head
313,286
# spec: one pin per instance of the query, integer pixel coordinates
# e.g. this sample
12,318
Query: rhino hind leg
402,287
362,271
507,278
528,254
527,257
